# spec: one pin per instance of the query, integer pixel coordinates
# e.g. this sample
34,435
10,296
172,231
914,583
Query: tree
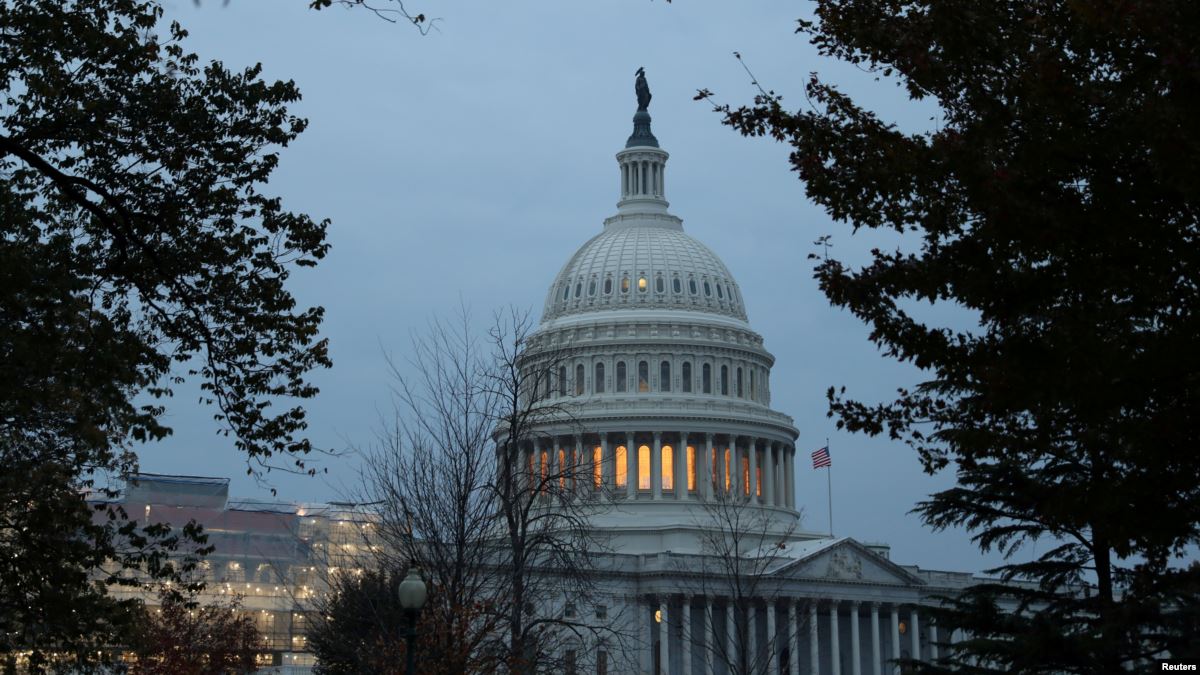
1055,206
182,637
740,546
137,251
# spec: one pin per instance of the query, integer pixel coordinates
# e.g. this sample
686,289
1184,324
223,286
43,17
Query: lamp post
412,599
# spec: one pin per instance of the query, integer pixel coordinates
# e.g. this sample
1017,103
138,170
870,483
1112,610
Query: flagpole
829,486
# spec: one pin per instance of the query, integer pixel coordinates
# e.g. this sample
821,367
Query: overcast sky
472,162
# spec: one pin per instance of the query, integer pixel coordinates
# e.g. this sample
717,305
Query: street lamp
412,599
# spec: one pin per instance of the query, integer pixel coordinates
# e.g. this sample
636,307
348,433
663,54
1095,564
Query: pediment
845,560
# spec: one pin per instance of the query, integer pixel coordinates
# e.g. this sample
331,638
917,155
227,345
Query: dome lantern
642,162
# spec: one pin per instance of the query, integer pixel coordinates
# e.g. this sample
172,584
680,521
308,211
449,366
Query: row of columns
772,484
792,610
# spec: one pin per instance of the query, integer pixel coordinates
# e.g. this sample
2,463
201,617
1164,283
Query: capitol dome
644,342
640,265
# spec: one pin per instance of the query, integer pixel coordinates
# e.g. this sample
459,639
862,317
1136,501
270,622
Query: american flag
821,458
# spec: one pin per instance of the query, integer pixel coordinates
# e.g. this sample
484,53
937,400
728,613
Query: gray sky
471,163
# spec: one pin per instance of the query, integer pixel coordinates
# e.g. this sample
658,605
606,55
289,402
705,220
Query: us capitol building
670,390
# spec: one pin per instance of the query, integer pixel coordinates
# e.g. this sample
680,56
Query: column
780,474
686,625
835,662
793,640
772,640
855,651
914,634
706,636
631,474
876,655
752,448
895,637
664,638
730,633
814,647
608,466
648,633
751,636
790,451
933,640
681,472
769,473
708,467
656,466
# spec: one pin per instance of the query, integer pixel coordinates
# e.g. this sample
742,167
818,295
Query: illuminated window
724,380
624,284
545,465
642,284
691,468
676,285
664,376
644,467
668,468
739,383
562,467
643,376
746,475
598,380
716,468
620,383
658,285
706,378
622,473
597,466
579,379
728,470
685,372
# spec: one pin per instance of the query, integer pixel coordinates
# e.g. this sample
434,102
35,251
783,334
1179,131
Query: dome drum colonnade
676,465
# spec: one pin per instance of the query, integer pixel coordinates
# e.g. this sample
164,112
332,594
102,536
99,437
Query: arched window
598,380
579,374
620,383
579,289
720,293
707,290
740,392
644,467
592,287
706,378
728,470
562,380
608,286
642,284
745,474
692,286
597,467
676,285
685,373
622,468
668,468
566,291
643,376
664,376
658,285
691,468
624,284
724,380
